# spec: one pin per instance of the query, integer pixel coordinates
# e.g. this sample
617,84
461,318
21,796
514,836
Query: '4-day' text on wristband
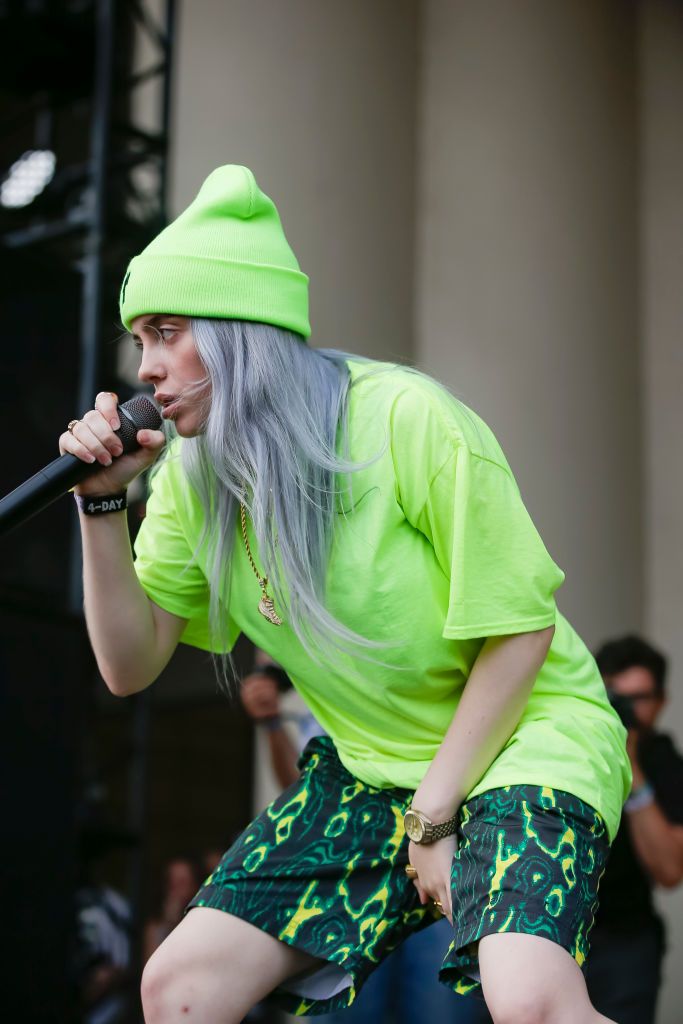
101,504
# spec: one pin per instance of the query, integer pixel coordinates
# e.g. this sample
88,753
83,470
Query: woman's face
170,362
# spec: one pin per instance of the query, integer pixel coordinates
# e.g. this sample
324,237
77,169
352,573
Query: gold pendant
267,609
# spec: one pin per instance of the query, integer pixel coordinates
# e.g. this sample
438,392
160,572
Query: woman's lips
169,410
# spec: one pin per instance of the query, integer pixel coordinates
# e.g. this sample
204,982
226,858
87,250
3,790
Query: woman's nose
151,365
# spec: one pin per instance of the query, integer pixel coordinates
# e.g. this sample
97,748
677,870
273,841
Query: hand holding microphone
97,457
100,440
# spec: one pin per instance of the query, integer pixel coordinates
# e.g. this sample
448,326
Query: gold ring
72,424
112,394
439,907
410,871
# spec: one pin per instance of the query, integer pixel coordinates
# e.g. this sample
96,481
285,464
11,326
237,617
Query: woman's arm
132,638
492,704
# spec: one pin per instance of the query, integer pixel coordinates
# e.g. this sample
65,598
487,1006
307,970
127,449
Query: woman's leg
531,980
213,968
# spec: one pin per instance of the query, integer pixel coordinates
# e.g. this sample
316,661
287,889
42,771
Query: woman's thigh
214,967
526,978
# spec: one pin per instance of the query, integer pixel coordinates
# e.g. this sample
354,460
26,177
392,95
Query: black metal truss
98,215
105,210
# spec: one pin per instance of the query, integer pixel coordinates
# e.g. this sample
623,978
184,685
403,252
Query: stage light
27,178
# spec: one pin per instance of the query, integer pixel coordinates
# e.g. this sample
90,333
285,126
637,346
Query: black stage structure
83,187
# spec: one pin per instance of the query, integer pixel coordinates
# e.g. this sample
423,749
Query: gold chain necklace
265,605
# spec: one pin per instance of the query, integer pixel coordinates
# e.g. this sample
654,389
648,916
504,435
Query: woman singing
363,527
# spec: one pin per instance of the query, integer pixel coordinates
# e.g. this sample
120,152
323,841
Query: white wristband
639,798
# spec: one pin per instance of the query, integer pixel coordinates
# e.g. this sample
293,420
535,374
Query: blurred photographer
261,694
627,943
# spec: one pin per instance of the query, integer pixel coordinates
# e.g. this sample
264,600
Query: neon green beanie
226,256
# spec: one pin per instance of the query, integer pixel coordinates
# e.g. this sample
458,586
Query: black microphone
48,484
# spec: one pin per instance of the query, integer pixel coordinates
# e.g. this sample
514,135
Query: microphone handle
44,487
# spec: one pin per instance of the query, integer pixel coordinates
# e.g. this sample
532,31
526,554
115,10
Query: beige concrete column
661,194
661,100
319,100
527,268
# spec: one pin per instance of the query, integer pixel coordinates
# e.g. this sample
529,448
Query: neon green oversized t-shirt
434,553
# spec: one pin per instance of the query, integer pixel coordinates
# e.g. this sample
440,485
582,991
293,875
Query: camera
624,708
278,675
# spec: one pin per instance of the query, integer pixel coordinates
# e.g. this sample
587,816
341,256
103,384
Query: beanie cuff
197,286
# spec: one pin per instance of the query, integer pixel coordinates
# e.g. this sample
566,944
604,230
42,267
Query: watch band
443,829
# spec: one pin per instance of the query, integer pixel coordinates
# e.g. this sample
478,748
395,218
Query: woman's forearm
132,639
490,708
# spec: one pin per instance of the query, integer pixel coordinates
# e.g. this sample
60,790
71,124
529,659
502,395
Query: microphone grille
139,413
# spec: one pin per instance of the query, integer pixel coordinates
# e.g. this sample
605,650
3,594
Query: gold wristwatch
420,829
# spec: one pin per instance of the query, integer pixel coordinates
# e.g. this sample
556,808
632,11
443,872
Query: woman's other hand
432,861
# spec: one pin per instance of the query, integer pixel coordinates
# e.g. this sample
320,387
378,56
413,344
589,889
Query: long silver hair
274,437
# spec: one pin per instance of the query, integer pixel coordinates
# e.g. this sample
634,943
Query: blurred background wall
320,99
492,191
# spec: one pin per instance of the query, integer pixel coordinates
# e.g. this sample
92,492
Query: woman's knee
213,968
528,979
165,984
174,989
522,1008
153,984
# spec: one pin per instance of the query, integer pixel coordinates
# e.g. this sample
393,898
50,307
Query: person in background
102,952
405,988
211,858
624,969
103,940
181,879
261,693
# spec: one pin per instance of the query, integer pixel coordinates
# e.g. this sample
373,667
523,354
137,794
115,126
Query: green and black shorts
322,869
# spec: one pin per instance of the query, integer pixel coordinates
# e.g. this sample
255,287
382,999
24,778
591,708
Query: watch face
414,826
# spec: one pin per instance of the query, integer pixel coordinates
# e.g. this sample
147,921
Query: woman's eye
167,333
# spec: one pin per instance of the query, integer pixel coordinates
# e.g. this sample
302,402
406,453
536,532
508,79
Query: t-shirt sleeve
502,579
167,568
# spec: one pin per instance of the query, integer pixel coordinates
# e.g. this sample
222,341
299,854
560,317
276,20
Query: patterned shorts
322,869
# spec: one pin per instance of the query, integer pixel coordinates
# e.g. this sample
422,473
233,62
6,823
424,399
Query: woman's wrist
101,504
95,488
437,808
